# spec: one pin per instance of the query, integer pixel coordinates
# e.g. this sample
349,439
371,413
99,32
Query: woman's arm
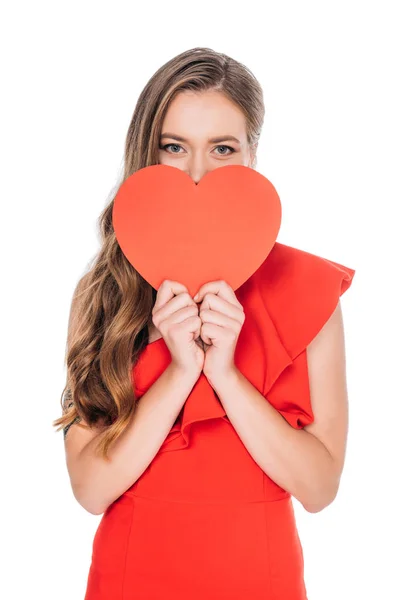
96,483
306,462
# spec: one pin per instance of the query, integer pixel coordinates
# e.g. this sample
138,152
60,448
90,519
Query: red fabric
204,520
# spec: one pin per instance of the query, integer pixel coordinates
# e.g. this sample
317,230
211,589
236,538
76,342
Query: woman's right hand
176,316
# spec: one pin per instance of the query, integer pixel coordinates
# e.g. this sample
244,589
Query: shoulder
301,291
288,265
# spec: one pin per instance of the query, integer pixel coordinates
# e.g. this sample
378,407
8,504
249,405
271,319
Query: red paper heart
222,228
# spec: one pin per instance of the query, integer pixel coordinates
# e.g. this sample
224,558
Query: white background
71,75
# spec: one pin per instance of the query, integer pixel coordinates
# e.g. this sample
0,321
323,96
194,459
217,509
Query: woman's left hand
222,318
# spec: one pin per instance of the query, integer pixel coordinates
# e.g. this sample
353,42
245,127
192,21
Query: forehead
204,114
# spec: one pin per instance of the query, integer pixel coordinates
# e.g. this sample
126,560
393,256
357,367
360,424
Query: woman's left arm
306,462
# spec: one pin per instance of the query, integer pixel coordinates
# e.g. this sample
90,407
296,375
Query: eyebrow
222,138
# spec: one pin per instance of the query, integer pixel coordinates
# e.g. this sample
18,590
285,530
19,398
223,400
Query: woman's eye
178,147
173,145
224,153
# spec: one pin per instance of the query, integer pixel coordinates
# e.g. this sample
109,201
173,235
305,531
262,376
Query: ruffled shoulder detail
300,291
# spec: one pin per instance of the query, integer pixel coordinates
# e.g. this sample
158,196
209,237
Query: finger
178,309
212,334
178,306
220,288
167,290
220,305
222,320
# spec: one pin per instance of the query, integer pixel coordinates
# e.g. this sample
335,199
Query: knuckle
187,297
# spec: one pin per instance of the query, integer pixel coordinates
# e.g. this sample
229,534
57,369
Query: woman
168,428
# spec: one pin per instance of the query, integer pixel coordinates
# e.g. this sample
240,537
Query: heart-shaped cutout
222,228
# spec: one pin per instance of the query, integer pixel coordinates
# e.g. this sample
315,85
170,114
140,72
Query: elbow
91,508
94,510
315,508
88,502
92,499
316,502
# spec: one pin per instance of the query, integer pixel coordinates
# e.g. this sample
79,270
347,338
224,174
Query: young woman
191,422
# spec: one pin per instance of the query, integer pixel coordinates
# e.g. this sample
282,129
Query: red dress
204,521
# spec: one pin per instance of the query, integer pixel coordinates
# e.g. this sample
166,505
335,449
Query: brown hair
112,305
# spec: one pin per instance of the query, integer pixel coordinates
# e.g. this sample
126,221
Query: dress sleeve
290,394
300,291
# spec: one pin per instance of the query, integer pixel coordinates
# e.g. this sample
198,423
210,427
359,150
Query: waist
216,468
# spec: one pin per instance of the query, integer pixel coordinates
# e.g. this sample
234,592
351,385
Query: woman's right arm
96,483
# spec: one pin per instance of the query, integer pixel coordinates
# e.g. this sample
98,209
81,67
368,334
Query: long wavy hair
112,305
